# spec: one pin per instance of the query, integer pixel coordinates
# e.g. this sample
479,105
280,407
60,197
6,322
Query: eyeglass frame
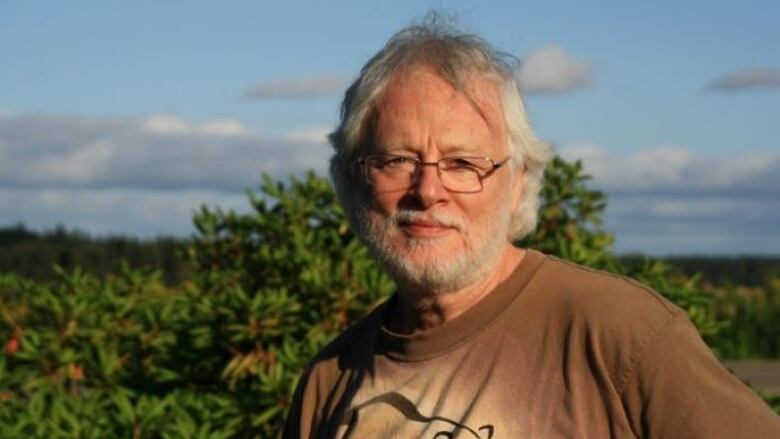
418,164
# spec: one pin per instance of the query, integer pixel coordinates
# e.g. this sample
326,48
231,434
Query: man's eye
396,162
463,162
458,163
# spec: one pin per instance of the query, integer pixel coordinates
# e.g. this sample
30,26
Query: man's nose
429,187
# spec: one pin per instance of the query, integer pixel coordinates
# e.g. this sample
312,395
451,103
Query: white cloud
169,124
666,223
667,199
674,167
748,79
553,70
222,127
140,176
297,87
90,162
165,124
143,213
316,134
155,152
145,176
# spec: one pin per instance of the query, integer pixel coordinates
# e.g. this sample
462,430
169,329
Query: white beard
433,270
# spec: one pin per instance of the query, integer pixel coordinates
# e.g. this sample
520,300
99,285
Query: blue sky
122,117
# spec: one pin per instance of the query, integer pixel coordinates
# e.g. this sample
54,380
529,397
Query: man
439,173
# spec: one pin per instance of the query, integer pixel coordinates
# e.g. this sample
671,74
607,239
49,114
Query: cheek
487,211
383,203
476,207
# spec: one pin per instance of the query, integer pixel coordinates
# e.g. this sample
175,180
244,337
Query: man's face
426,236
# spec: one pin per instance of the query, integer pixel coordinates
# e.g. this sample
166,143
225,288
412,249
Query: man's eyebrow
383,150
460,150
396,149
449,150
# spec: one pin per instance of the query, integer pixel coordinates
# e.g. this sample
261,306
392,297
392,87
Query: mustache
402,216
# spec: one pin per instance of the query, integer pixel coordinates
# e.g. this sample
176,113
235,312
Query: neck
419,310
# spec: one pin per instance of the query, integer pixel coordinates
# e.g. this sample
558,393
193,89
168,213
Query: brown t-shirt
556,351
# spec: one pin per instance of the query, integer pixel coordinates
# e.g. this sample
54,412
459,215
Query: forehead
420,109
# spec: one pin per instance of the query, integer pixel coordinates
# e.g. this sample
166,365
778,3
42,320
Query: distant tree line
732,270
33,254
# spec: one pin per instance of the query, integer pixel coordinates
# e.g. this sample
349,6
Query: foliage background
218,353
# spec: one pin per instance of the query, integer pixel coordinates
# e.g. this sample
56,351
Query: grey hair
457,57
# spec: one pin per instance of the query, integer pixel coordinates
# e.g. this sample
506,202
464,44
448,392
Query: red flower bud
11,346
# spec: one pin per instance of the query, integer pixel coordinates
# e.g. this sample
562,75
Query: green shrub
753,319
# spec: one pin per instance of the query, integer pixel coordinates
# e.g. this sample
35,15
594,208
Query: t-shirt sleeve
678,389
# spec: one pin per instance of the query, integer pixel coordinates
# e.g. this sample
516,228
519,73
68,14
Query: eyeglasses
388,172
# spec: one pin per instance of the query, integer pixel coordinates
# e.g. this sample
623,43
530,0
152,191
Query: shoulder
350,350
355,341
610,319
590,294
328,376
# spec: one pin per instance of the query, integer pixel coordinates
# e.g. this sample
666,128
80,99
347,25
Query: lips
424,228
426,224
422,223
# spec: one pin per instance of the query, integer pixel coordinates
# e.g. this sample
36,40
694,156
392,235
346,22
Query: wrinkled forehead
422,91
